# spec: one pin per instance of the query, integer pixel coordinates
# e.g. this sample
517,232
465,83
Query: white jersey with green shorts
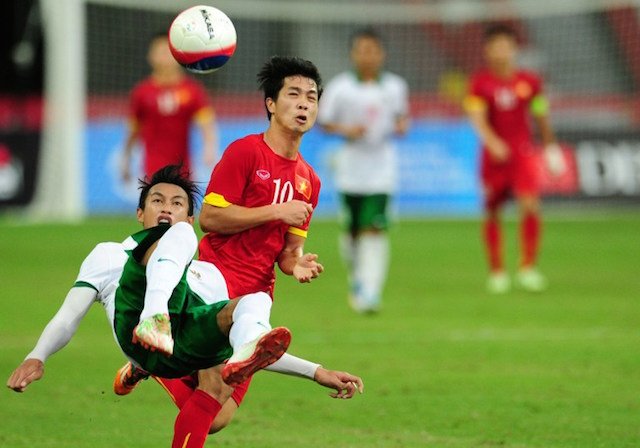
367,165
119,280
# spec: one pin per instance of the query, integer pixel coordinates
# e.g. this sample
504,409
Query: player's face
367,55
296,107
160,57
165,204
501,50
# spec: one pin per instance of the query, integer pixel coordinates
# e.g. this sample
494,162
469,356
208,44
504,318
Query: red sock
530,238
194,420
179,389
493,243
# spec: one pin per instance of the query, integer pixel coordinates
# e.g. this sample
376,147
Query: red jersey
508,102
163,115
250,174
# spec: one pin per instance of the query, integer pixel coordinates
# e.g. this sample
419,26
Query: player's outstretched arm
344,384
56,335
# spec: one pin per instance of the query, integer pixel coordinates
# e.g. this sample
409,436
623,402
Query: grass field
445,364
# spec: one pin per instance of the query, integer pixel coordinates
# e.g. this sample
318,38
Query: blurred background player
500,102
163,107
367,107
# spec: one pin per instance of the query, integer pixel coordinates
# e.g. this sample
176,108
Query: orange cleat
128,378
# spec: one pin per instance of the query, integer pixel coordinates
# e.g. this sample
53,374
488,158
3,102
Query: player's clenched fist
26,373
294,213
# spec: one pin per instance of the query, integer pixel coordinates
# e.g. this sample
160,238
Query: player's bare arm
552,152
495,145
125,162
293,261
235,218
402,124
207,125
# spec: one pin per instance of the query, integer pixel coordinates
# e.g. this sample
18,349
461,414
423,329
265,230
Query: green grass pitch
444,365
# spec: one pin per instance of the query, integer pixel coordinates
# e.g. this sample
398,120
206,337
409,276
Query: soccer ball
202,39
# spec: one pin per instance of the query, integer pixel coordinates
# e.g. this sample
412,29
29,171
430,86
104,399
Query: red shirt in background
163,115
508,102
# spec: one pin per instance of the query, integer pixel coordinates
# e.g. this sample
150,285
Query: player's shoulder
245,146
345,78
307,169
393,78
144,85
191,83
104,253
481,75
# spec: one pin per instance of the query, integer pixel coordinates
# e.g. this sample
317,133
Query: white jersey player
368,107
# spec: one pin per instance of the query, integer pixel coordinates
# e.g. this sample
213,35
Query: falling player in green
207,328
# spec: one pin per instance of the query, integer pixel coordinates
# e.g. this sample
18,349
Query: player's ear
191,219
140,215
271,105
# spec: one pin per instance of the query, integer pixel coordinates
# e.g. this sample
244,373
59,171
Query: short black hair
499,29
366,33
170,174
277,68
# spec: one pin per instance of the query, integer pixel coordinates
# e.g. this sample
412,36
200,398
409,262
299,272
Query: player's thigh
373,213
496,186
351,205
527,183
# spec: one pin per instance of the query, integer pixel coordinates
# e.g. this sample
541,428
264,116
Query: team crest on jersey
303,186
523,89
263,174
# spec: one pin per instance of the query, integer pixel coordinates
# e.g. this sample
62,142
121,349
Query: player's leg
495,196
199,411
180,389
527,194
372,252
165,265
347,242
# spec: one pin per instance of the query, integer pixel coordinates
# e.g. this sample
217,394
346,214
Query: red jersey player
163,107
500,102
262,193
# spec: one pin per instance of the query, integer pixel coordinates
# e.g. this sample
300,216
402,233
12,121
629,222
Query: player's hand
354,132
294,213
344,384
402,125
498,149
554,159
29,371
307,268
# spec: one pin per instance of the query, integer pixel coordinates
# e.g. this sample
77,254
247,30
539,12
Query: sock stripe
186,440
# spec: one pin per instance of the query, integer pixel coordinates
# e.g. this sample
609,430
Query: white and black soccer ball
202,39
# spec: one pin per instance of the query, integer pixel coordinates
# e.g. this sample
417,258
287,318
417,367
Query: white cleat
498,283
530,279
